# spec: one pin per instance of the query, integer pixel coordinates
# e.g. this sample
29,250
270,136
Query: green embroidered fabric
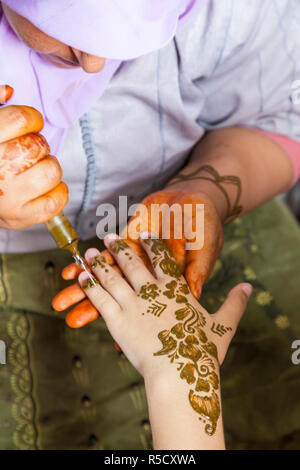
70,389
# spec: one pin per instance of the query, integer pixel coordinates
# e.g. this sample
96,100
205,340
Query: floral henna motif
117,246
100,261
163,257
177,292
187,346
149,291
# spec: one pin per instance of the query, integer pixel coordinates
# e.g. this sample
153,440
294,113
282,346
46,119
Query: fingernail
199,291
86,281
82,277
6,93
111,237
91,253
247,289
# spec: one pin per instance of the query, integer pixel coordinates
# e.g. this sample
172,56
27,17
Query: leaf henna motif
157,309
168,342
208,407
220,330
187,346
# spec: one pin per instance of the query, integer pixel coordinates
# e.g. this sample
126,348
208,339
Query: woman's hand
195,264
31,191
159,324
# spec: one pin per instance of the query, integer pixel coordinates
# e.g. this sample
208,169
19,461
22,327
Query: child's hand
196,264
159,324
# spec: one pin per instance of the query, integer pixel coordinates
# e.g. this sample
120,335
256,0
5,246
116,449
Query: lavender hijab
118,30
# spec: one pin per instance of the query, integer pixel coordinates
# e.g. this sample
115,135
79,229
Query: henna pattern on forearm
186,343
208,173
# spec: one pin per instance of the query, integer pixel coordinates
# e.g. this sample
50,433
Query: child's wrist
165,379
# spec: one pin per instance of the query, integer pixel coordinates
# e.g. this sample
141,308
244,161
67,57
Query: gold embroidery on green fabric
282,322
264,298
5,292
23,408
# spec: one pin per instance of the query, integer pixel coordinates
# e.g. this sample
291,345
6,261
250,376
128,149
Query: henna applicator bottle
66,238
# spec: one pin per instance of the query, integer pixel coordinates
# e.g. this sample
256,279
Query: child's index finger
130,264
161,256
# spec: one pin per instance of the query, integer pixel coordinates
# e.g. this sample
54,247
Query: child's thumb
232,310
227,318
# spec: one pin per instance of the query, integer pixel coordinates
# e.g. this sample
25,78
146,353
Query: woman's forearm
174,424
257,169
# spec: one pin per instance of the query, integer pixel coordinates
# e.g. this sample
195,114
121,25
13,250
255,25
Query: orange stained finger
142,221
47,206
71,271
16,121
178,249
69,296
138,249
6,93
82,314
200,263
17,155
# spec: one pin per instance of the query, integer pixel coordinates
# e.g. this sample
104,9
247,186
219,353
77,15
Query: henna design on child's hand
117,246
163,257
185,342
220,330
187,346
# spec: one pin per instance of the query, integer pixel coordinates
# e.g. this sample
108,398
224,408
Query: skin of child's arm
173,422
